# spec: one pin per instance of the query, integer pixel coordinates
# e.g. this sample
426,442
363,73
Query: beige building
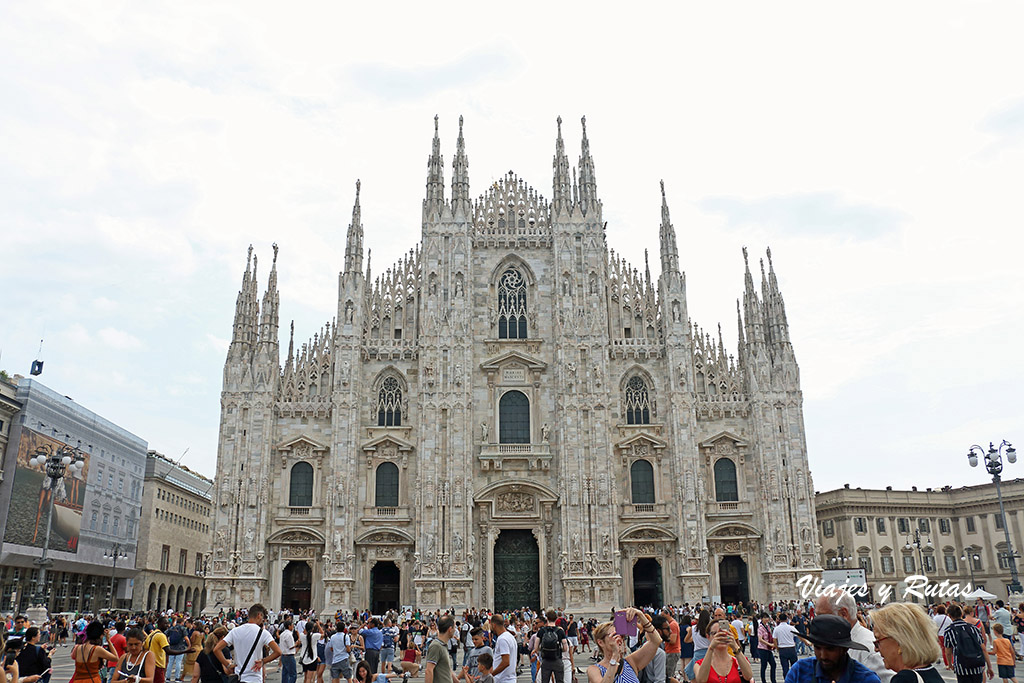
960,531
174,537
9,407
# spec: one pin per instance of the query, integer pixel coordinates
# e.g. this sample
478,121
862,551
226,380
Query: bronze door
516,570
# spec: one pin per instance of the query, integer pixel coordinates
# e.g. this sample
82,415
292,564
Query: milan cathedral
510,415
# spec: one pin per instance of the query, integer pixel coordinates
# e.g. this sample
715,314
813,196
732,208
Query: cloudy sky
878,148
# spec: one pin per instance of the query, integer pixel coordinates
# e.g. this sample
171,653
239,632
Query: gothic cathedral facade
510,415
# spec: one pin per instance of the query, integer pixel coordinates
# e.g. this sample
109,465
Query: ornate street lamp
970,557
116,553
55,462
994,465
840,560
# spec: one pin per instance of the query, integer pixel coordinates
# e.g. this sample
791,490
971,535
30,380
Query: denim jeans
174,666
767,657
288,673
698,653
787,656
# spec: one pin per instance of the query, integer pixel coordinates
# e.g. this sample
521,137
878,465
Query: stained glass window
511,305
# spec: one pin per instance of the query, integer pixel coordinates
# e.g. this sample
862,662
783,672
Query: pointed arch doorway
296,586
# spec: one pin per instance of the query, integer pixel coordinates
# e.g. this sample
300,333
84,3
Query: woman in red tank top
718,666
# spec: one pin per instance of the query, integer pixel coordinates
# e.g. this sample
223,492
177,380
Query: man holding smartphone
33,660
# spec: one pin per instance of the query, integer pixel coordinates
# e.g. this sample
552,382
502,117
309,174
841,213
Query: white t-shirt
738,625
286,639
942,622
783,635
241,640
506,645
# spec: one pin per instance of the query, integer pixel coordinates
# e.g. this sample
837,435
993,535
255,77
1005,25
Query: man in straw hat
831,663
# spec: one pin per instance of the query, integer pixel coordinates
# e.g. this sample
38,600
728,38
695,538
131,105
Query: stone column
490,540
542,546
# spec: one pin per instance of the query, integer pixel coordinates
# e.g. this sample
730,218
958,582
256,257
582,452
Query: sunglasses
881,640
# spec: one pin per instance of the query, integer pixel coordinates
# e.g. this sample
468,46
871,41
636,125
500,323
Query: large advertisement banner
30,499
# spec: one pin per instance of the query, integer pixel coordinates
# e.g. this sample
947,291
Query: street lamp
116,553
56,462
840,559
994,465
970,557
914,541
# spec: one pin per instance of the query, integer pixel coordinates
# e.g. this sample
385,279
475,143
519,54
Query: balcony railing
500,455
298,512
642,508
728,506
386,512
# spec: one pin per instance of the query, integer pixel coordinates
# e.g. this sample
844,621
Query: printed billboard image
30,500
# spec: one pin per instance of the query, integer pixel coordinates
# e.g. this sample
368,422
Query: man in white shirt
247,643
737,625
505,652
842,604
785,635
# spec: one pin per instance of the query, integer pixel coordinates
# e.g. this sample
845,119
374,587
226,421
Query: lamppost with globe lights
840,560
116,553
970,557
994,465
914,541
56,461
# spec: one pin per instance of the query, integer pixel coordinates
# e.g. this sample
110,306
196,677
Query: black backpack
967,645
550,644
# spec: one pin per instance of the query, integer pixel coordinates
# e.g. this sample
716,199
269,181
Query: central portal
516,571
384,587
647,583
732,577
297,586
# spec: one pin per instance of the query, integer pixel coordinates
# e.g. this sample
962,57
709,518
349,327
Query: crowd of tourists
832,638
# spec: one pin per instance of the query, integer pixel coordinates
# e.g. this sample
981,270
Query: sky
876,147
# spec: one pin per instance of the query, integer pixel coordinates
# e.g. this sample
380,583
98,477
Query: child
485,662
1002,648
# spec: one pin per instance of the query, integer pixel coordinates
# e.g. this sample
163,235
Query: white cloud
119,339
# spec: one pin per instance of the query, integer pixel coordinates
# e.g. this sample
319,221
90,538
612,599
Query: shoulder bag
233,677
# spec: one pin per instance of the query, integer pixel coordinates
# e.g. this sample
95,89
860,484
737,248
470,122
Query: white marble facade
524,383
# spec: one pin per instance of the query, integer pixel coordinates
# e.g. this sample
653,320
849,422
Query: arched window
641,478
514,418
638,402
725,481
387,486
300,493
511,305
389,403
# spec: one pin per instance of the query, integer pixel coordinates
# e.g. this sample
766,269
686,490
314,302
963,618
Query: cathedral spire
354,240
588,180
751,306
561,190
369,253
271,303
776,307
435,177
667,238
460,175
242,304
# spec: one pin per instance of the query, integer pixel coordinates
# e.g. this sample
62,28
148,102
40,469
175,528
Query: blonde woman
718,665
617,665
907,639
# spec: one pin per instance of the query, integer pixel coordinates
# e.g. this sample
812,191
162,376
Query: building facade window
888,567
182,561
386,486
903,524
880,525
828,528
726,487
969,521
864,562
929,563
300,491
908,564
514,418
950,561
641,477
924,525
638,402
860,525
511,305
389,403
944,526
999,522
106,522
92,522
165,557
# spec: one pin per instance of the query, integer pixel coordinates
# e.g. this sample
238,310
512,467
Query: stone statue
348,311
484,432
544,432
576,548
